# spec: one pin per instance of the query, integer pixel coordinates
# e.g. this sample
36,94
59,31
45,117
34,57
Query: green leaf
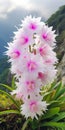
55,85
12,99
13,83
51,112
6,86
58,90
61,99
9,112
54,124
47,93
61,92
34,124
60,116
25,124
54,104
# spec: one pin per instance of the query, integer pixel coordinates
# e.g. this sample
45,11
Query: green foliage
5,102
61,37
59,125
12,99
9,112
56,112
6,86
4,70
51,112
52,119
57,20
10,117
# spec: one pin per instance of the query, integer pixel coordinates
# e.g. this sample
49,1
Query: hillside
5,75
2,48
57,20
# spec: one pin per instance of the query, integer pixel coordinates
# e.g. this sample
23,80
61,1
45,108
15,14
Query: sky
44,7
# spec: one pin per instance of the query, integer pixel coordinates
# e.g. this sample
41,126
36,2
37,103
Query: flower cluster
33,63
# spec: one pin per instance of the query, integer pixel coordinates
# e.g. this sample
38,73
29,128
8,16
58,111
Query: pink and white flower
13,52
47,53
33,62
48,76
47,36
23,38
32,24
33,107
30,64
29,86
18,94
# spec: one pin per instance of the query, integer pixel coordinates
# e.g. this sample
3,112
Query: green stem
25,124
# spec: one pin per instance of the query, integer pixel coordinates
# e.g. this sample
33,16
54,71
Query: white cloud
5,7
27,4
45,7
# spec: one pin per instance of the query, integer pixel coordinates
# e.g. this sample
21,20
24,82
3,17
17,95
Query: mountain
5,75
57,20
2,48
